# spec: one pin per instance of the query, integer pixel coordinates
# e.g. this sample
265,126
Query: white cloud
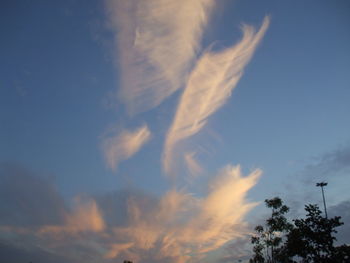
156,43
122,146
209,86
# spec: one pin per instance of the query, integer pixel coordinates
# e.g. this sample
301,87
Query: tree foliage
312,238
308,240
267,242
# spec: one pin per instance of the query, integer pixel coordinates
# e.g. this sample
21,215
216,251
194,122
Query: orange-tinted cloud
181,226
176,227
85,217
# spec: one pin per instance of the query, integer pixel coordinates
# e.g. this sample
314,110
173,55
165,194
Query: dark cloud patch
11,253
342,209
240,250
334,163
30,202
38,225
27,199
114,205
301,189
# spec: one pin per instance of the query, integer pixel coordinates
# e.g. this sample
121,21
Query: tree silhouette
309,240
268,240
312,238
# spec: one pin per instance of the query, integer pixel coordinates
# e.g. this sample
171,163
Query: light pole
322,184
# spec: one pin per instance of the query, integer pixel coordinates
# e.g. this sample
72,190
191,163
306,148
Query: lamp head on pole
321,184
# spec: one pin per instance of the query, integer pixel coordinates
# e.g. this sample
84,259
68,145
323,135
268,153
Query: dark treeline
307,240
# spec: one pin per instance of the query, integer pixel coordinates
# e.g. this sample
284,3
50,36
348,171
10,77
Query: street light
322,184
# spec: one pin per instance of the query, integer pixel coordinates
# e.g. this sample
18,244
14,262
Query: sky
153,130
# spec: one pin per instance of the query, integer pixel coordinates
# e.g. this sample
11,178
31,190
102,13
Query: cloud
332,163
119,147
329,166
209,86
194,168
12,253
180,226
115,249
37,224
239,250
84,217
157,41
28,200
176,227
342,209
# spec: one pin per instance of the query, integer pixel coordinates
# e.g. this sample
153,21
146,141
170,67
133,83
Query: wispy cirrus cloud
156,41
121,146
209,86
193,167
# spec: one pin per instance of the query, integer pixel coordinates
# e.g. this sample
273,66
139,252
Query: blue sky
91,95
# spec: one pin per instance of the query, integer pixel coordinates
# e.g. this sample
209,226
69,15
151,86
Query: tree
312,238
267,242
309,240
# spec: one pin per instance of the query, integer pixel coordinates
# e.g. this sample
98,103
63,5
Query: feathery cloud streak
157,41
193,167
122,146
209,86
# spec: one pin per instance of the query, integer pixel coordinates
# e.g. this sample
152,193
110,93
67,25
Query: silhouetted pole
322,184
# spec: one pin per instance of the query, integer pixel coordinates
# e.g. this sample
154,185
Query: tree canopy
310,239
